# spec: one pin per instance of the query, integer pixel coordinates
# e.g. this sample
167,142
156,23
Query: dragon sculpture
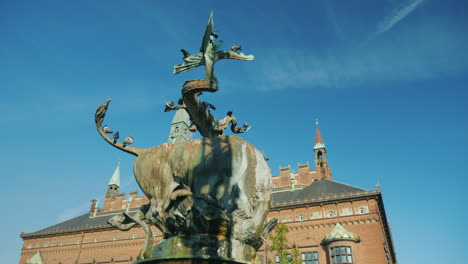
210,195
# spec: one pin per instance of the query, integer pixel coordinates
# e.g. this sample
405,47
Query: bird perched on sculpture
208,105
116,136
185,53
106,129
128,141
169,106
235,48
213,33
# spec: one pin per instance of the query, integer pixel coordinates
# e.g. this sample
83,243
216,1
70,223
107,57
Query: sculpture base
187,261
201,249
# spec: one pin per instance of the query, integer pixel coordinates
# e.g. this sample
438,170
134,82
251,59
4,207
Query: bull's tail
99,118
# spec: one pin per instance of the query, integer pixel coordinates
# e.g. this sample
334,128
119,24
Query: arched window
319,154
114,238
134,235
331,214
96,240
301,218
362,210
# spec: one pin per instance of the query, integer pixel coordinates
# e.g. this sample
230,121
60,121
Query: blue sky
387,80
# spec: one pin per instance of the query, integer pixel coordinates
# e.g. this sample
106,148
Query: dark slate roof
77,222
82,222
318,189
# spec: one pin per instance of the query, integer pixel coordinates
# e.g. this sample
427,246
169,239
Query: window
301,218
114,238
341,254
78,242
60,243
309,257
362,210
134,236
331,214
45,244
30,246
96,240
278,260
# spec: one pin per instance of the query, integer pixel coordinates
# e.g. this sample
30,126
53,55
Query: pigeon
246,127
169,106
208,105
235,48
186,53
116,136
128,141
213,33
106,129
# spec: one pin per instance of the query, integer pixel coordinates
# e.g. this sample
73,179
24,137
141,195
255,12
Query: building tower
179,127
114,183
321,164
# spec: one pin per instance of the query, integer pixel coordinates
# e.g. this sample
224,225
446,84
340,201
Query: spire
321,163
114,183
179,127
115,180
318,138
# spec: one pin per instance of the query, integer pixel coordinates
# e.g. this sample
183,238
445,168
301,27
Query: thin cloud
69,213
403,59
397,16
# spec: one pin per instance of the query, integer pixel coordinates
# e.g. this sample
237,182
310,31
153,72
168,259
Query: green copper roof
340,233
115,180
36,259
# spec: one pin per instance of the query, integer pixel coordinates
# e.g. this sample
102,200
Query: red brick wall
307,235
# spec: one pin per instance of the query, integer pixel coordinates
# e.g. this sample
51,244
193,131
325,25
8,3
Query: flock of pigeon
127,141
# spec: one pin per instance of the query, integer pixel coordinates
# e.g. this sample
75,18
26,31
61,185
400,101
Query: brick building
329,222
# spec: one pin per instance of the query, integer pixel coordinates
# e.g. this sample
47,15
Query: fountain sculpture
208,196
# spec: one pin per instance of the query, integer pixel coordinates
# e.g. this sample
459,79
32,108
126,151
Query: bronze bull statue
219,187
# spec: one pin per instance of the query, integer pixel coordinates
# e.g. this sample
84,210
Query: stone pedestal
188,261
201,249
